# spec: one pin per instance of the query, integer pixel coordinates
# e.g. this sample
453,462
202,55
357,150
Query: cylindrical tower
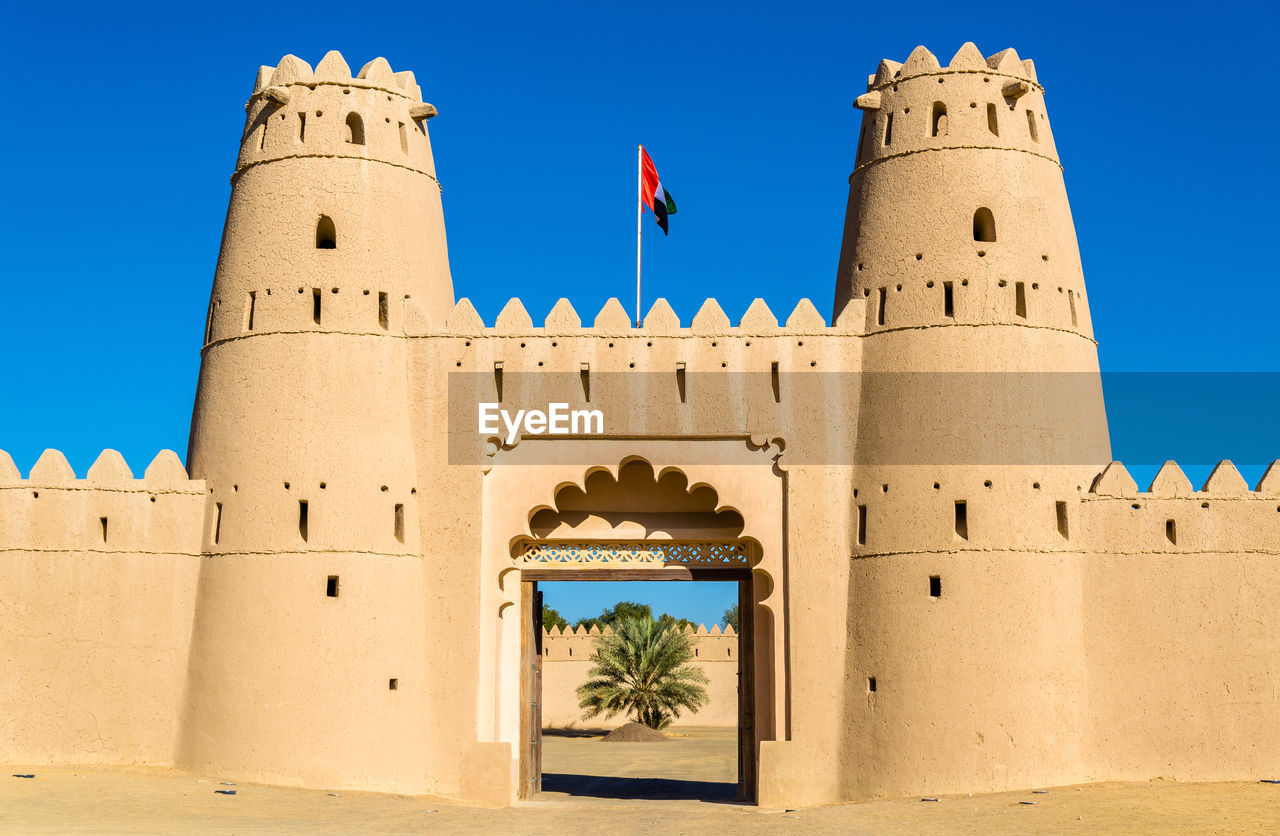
959,236
308,645
981,420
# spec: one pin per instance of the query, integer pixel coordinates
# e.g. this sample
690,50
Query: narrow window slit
315,305
888,128
871,684
862,141
248,310
948,300
584,377
962,519
262,137
881,305
497,379
217,521
1171,531
1063,529
404,139
384,311
302,127
935,586
993,124
331,586
680,382
1020,299
399,523
775,382
1031,126
1071,300
862,525
103,520
302,519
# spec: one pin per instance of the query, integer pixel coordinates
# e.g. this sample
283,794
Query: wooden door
746,693
530,690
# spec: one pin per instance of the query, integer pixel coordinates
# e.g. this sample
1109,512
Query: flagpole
639,215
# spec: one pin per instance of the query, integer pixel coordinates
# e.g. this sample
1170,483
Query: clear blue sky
123,120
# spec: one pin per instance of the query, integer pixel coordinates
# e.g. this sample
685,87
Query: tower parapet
975,228
959,238
297,112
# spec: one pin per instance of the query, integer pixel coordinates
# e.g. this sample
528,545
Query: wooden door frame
530,766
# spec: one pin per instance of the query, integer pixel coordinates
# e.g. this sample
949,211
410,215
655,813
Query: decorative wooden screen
547,553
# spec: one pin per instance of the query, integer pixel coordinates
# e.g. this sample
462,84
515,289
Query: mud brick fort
939,592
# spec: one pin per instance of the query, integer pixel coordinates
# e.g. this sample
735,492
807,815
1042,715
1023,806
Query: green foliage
730,618
643,670
609,617
551,618
622,609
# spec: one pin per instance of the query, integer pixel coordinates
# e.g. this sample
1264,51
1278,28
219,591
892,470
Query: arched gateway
641,517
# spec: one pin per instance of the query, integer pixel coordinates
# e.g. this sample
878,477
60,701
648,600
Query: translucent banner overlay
880,418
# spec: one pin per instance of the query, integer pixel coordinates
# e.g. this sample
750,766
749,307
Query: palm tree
643,669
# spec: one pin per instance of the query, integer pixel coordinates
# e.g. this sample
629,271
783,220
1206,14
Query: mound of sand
634,733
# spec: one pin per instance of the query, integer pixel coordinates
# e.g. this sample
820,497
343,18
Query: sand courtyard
683,786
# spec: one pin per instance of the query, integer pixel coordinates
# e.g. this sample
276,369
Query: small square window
935,586
393,684
331,586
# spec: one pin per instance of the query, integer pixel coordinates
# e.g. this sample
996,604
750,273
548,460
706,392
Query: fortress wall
1183,636
662,379
96,616
971,627
566,663
1070,638
463,756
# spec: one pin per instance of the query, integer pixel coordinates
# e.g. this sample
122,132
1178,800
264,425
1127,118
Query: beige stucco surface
1074,638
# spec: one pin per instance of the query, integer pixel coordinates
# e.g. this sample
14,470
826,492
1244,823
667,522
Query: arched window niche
355,129
984,225
326,234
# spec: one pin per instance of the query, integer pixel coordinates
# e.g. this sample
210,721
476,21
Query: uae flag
658,199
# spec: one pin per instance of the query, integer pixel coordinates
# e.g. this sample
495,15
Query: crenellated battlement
1063,510
974,104
968,59
108,511
577,644
298,113
661,321
333,69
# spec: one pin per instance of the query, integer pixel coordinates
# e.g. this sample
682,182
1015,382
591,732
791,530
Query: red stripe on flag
648,178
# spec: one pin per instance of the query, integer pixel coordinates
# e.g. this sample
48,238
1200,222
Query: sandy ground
684,786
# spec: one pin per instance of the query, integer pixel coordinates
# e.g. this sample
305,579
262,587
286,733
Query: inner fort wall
566,664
